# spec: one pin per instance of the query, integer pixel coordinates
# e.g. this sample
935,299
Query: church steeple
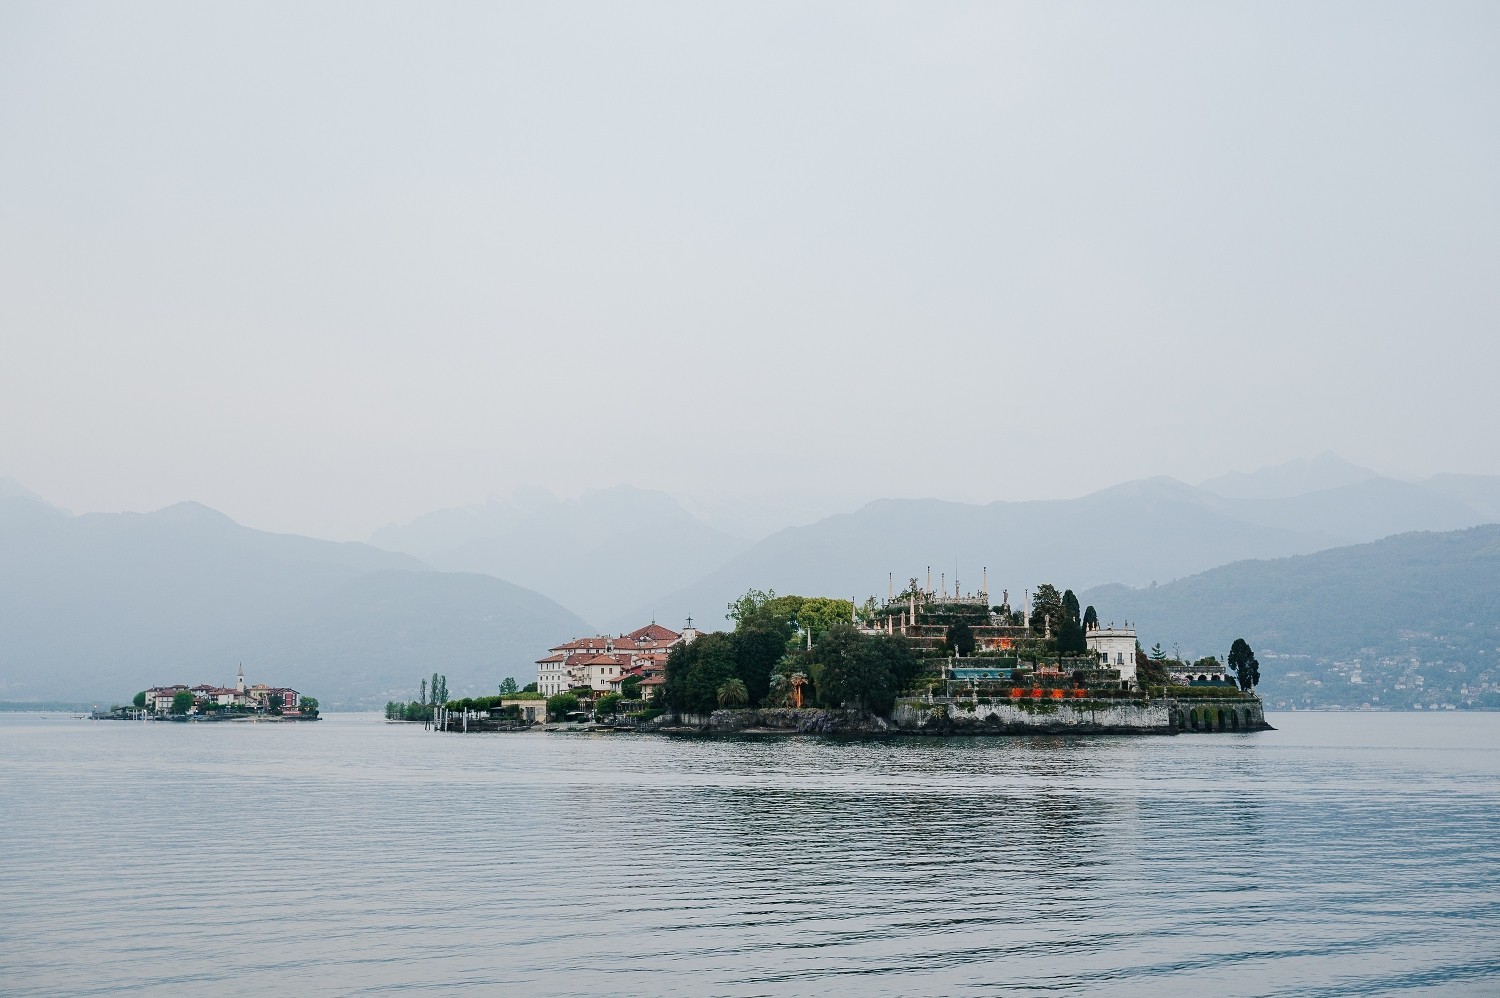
239,680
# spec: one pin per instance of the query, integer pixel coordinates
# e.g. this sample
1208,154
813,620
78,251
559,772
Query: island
925,660
205,702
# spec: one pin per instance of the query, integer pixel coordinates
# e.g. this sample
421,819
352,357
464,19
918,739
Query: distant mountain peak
190,511
1292,478
12,489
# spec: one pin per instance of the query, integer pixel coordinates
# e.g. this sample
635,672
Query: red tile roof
652,632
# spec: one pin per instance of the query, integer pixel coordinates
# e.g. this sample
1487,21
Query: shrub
561,705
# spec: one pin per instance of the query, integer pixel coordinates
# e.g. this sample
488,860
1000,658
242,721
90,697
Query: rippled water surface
1342,854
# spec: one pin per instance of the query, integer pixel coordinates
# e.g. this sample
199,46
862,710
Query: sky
328,266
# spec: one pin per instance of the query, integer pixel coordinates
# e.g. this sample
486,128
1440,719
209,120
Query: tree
182,702
422,689
140,700
275,703
1070,609
1148,672
1090,620
630,687
960,639
608,704
309,706
1243,664
767,610
1070,636
757,646
507,686
1157,655
862,671
1046,607
442,689
560,705
529,688
695,671
732,693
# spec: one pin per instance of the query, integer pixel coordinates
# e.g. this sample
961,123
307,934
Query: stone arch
1223,719
1234,720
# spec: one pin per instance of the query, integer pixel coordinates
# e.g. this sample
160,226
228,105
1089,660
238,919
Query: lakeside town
206,702
926,659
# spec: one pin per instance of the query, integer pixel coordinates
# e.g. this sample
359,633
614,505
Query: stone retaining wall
1102,717
918,717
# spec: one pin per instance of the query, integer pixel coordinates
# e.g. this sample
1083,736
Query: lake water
1343,854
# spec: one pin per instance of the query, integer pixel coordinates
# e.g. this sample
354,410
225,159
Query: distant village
207,702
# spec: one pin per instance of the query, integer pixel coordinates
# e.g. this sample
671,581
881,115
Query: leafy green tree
529,688
309,706
733,693
757,645
1243,664
630,688
695,671
607,705
844,677
863,671
1157,655
766,609
507,686
1148,672
560,705
422,689
960,639
1046,608
275,703
182,702
140,700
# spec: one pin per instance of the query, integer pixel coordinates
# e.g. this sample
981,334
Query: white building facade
1115,647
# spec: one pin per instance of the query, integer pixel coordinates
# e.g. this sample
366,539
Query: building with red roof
603,663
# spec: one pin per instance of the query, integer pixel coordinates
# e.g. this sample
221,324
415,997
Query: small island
206,702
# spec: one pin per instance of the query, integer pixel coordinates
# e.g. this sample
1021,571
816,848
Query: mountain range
597,554
105,604
1397,622
99,605
1137,533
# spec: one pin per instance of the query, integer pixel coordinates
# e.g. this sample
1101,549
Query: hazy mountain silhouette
1136,533
102,605
1416,597
598,554
1294,478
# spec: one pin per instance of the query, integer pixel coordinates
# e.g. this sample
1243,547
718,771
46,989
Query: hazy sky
322,266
